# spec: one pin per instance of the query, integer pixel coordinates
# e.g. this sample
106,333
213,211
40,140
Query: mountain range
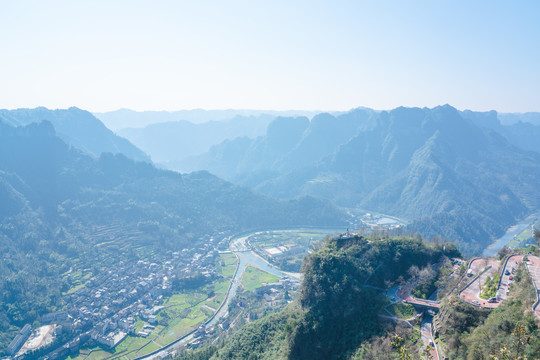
449,173
126,118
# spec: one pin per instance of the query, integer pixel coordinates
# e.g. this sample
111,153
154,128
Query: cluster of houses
105,309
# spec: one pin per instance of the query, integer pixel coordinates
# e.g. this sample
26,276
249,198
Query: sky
280,55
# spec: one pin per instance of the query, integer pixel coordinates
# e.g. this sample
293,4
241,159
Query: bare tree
414,271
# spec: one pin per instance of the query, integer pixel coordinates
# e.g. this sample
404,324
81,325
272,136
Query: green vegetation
254,278
523,239
335,314
66,217
489,289
402,310
472,333
426,281
266,338
198,354
380,347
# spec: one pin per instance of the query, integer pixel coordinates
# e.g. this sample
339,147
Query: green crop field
254,278
181,313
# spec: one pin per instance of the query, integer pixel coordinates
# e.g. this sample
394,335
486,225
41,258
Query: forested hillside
338,307
55,198
339,313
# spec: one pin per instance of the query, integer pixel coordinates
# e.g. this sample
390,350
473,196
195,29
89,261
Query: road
533,265
471,292
506,280
245,257
404,293
427,336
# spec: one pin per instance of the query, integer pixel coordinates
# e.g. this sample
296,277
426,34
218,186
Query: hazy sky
312,55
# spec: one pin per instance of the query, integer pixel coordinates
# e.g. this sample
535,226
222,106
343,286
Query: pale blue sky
311,55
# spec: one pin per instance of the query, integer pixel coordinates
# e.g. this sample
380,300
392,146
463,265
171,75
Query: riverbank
511,232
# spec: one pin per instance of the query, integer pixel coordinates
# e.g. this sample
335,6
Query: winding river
245,257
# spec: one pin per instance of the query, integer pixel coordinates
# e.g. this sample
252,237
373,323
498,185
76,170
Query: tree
537,236
521,340
398,344
427,352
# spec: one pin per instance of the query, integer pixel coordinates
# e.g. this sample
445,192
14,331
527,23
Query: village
105,309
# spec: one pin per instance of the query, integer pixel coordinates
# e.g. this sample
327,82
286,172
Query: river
245,257
509,235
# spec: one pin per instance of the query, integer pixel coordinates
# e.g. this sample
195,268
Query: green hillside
336,312
337,315
64,213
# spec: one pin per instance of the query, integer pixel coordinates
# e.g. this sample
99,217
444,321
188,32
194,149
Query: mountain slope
434,167
77,128
54,197
521,130
335,313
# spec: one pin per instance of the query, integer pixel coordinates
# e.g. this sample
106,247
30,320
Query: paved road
506,280
427,336
471,292
404,294
533,266
246,257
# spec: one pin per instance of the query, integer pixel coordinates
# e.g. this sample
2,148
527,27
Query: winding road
470,293
245,256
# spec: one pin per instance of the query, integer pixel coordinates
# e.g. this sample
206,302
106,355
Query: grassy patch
489,289
402,310
131,343
152,346
254,278
523,239
226,265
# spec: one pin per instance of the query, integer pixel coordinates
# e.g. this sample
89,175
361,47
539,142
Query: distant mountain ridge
169,142
522,130
435,167
78,128
126,118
